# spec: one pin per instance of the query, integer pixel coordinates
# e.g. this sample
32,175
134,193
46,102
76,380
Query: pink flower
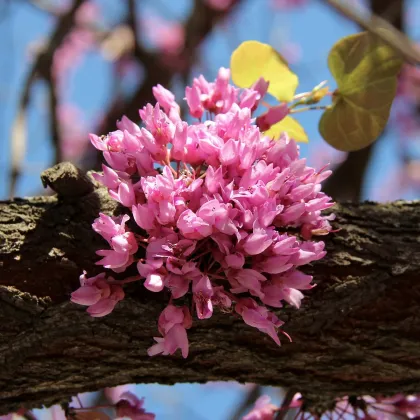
192,226
203,292
214,179
108,226
130,406
124,243
248,279
217,97
172,324
258,241
98,294
286,287
179,141
262,410
143,216
166,99
178,285
220,298
175,339
154,282
261,86
259,317
160,131
236,260
275,264
124,194
109,178
192,96
219,4
218,215
173,315
274,115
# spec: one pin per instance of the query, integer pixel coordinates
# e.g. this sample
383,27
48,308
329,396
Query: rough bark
357,333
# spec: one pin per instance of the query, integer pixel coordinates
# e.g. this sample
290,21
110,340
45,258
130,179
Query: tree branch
357,333
382,23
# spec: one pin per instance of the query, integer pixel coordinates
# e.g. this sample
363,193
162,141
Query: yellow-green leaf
253,59
291,127
366,71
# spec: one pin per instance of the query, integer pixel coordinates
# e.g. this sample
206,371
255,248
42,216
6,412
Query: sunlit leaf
253,59
366,72
291,127
91,415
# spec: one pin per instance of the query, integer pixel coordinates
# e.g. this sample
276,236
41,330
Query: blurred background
70,67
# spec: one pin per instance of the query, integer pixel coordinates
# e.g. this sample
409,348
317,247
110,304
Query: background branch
41,68
200,23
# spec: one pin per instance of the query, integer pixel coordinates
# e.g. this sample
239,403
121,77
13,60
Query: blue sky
315,28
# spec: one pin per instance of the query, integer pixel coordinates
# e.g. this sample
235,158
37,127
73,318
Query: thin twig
132,19
380,27
54,120
249,399
18,135
284,408
42,6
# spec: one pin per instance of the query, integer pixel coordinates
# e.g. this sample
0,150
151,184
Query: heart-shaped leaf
366,71
291,127
253,59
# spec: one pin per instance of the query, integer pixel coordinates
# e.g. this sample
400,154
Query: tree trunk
357,333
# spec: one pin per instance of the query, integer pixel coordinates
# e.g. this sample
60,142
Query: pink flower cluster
219,209
363,408
129,406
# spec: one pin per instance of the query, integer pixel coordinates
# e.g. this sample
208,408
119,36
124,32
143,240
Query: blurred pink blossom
72,130
77,43
323,154
409,83
219,4
287,4
71,52
291,51
166,36
263,410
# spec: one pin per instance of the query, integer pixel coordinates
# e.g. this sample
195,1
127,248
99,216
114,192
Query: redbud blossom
98,294
229,211
129,406
263,410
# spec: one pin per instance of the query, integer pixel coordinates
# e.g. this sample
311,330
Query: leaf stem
309,108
